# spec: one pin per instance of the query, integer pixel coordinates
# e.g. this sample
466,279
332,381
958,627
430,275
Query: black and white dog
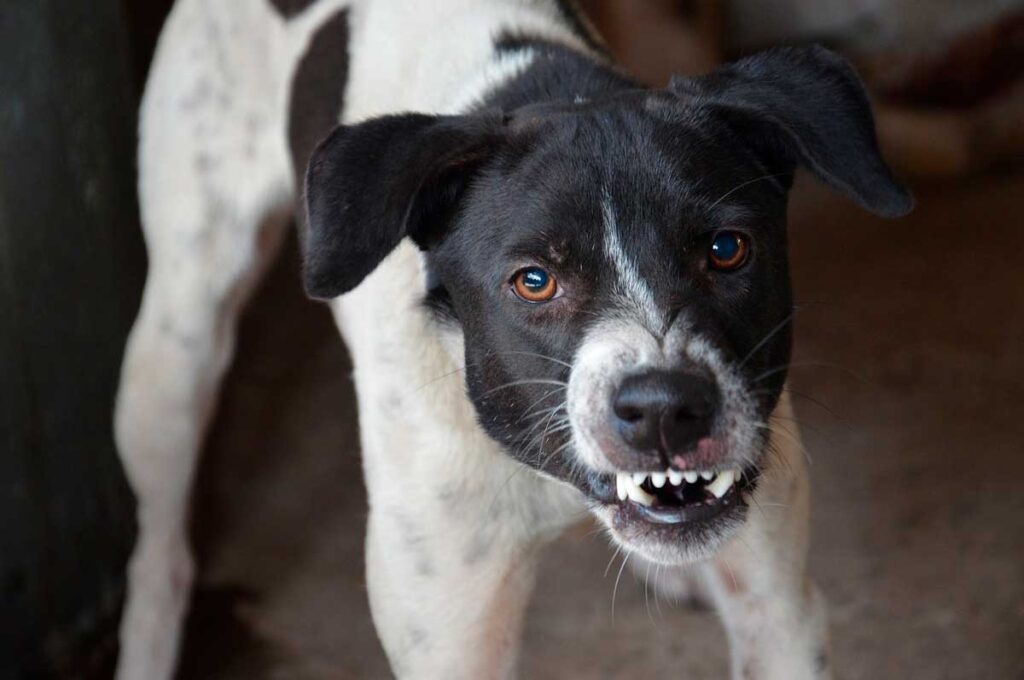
563,292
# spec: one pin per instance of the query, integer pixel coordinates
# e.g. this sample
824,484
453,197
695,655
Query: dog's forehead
628,147
564,188
615,176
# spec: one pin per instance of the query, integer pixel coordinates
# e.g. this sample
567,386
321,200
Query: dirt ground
910,369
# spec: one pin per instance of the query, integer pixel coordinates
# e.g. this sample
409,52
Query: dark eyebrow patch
541,249
739,216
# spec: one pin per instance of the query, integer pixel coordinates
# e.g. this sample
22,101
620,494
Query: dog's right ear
370,185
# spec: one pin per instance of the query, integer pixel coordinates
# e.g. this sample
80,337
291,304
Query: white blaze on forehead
630,283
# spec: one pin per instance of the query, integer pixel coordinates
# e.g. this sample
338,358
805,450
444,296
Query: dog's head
616,270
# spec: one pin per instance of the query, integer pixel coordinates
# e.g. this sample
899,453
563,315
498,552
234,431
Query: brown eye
533,284
728,251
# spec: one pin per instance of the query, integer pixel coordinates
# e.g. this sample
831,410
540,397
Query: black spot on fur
821,662
289,8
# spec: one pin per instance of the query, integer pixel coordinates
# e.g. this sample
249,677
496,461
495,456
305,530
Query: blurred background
908,371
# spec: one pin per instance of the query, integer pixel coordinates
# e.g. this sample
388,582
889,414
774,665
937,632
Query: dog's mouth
669,504
673,497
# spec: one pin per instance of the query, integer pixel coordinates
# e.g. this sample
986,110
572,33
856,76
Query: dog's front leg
775,617
451,551
438,618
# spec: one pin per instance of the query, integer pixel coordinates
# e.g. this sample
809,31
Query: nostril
629,414
689,411
681,415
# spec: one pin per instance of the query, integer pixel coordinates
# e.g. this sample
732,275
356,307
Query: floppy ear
370,185
805,105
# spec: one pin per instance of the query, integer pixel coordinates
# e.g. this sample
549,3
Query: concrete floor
910,351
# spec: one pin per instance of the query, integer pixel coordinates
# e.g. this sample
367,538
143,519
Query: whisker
729,193
535,381
539,356
782,324
647,594
463,368
657,601
615,590
440,377
615,554
810,364
789,436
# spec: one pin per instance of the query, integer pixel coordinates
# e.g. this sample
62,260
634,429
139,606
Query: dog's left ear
370,185
805,106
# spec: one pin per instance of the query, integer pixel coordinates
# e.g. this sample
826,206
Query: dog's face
616,270
610,292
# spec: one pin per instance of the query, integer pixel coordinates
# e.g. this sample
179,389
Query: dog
563,293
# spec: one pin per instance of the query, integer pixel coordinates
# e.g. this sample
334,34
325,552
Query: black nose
664,411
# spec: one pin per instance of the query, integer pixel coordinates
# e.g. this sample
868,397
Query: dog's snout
666,412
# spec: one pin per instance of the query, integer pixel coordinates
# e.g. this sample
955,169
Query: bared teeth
638,495
722,482
628,484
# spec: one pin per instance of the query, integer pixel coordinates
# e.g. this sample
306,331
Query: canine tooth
722,483
658,479
706,476
620,486
737,473
675,478
691,477
638,495
639,477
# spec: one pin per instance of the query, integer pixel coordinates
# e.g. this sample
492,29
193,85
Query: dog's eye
533,284
728,251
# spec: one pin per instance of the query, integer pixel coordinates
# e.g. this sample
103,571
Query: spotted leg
775,617
214,185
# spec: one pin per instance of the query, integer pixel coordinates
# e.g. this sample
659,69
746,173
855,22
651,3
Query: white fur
453,532
632,286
